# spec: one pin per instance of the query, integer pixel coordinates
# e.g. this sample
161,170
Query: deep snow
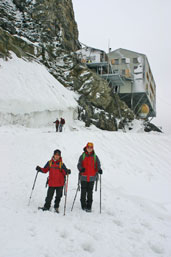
136,206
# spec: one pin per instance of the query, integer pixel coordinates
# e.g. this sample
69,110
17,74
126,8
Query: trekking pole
78,189
97,178
100,194
33,188
65,192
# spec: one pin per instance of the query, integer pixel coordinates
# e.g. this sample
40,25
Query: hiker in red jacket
57,124
61,124
57,172
89,167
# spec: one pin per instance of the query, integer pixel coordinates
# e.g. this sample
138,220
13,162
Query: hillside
136,208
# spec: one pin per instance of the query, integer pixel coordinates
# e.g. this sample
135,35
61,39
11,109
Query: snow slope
31,96
136,188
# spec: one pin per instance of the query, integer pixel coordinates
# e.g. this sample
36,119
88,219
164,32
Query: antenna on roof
109,48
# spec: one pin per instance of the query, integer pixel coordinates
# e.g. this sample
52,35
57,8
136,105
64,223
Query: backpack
62,121
94,155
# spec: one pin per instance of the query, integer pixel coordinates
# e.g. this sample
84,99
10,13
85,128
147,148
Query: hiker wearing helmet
89,167
57,172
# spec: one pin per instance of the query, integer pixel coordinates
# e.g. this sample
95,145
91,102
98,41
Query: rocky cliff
46,31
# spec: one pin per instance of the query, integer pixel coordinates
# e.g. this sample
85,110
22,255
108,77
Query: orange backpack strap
60,165
50,163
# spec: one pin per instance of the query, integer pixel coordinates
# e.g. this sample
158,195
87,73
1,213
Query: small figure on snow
57,172
61,124
89,167
57,124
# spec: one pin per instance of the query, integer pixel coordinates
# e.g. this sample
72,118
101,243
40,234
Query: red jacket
62,121
56,122
91,166
57,171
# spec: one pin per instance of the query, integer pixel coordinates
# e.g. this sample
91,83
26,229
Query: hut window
147,76
127,73
116,71
135,60
113,61
150,74
152,88
116,61
123,72
123,60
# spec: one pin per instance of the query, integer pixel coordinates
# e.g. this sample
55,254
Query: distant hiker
89,167
57,172
61,124
57,124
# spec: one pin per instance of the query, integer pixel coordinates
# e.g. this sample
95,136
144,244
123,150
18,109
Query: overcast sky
140,26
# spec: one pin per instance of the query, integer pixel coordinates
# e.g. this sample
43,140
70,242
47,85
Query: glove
68,171
38,169
82,170
100,171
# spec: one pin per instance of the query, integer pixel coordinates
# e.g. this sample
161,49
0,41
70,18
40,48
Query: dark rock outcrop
49,22
148,127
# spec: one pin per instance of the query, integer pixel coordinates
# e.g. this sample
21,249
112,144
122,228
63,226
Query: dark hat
57,152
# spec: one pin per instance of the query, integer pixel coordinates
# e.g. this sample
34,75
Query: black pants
50,194
86,194
60,127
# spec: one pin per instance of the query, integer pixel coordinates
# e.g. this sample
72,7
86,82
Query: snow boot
83,206
88,210
57,210
43,208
